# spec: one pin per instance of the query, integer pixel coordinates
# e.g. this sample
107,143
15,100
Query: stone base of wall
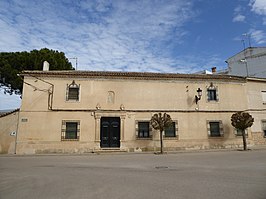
70,147
258,138
54,147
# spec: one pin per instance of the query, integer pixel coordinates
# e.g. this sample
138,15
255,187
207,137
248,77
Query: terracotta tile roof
131,75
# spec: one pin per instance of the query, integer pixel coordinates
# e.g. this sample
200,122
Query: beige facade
256,93
9,125
81,111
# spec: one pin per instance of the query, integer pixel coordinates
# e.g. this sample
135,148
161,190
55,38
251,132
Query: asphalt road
199,175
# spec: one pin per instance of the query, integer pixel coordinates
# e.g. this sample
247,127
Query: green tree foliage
12,63
242,120
160,122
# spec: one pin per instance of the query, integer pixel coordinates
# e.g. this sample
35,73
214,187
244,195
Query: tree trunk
161,141
244,140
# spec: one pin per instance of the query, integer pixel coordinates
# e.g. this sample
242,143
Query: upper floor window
171,131
215,128
143,129
73,92
212,93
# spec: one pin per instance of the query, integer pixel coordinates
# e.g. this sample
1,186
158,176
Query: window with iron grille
171,131
73,92
238,132
70,130
215,128
143,129
212,93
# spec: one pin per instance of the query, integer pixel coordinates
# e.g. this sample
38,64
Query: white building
250,62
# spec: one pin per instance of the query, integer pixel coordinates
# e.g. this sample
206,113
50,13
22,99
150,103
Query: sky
167,36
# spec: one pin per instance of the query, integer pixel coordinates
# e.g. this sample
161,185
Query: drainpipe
50,91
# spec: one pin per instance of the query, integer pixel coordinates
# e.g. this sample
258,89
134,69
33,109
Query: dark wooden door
110,132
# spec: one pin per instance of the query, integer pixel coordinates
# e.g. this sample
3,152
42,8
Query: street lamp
198,97
246,64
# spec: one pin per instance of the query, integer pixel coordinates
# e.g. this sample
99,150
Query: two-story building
86,111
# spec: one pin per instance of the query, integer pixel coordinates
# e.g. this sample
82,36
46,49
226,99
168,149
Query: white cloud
258,36
104,35
239,18
258,6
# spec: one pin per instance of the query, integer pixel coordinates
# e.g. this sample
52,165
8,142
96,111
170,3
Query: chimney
45,66
213,69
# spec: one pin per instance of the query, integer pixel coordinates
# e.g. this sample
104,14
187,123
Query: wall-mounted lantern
198,97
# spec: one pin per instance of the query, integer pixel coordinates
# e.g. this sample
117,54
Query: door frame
97,116
112,138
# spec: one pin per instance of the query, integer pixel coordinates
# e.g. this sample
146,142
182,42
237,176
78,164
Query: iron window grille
73,90
70,130
238,132
212,93
215,128
143,129
171,131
